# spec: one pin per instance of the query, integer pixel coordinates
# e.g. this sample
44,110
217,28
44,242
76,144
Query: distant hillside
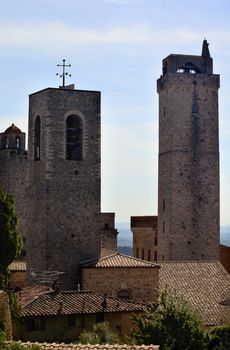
125,237
125,250
225,235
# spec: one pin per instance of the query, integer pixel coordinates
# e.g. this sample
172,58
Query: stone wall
57,329
140,283
64,226
17,279
14,180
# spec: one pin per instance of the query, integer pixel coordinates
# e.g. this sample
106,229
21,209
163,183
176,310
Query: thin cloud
52,35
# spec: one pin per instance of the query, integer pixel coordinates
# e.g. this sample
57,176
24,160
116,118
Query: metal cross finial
64,73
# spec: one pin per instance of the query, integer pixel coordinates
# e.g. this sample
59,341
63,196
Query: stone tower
188,193
64,183
13,171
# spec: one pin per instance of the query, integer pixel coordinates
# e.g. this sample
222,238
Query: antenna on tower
64,73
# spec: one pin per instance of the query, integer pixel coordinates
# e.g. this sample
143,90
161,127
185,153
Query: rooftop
118,260
63,346
13,129
204,284
17,265
50,303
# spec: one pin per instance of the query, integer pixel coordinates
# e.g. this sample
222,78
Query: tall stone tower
188,193
64,182
13,171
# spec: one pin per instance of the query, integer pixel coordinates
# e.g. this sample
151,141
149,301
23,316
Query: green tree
4,345
170,323
100,334
10,239
219,338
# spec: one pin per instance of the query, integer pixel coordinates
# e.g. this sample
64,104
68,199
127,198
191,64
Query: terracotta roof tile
74,302
13,129
63,346
18,265
205,285
118,260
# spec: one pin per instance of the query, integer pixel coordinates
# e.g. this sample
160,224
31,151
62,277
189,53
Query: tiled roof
13,129
63,346
29,294
118,260
74,302
17,265
205,285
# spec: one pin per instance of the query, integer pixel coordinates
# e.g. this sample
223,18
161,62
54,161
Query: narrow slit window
37,138
149,255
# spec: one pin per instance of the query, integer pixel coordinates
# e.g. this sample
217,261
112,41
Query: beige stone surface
140,283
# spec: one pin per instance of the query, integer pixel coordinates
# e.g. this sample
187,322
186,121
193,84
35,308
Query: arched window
124,294
7,142
37,138
74,137
17,142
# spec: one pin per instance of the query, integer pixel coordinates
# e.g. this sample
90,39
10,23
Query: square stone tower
64,183
188,193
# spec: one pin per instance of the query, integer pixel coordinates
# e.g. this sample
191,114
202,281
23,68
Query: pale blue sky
115,46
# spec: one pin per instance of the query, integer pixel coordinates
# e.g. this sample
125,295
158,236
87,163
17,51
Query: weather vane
64,73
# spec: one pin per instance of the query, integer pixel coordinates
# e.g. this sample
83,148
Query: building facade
57,183
144,229
188,187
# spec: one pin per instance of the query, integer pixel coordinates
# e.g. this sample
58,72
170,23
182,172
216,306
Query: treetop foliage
170,323
100,334
10,239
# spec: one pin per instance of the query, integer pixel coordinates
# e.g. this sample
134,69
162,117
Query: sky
116,47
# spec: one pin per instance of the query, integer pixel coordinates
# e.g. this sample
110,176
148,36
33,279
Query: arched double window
37,138
74,138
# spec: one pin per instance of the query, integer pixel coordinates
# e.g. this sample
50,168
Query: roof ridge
188,261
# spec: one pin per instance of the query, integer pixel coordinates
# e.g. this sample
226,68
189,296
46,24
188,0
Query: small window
163,204
123,294
99,317
155,255
72,321
163,226
137,253
35,324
